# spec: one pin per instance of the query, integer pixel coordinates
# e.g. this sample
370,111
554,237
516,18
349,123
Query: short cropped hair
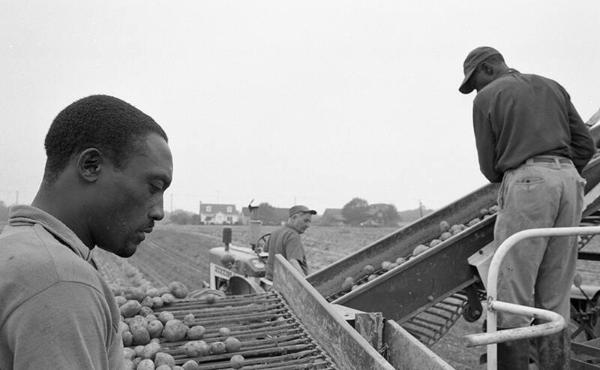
109,124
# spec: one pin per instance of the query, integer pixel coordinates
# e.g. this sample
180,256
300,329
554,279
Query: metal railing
555,322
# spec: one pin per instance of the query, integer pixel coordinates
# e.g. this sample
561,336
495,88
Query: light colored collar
22,215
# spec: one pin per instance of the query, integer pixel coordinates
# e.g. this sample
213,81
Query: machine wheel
472,314
261,243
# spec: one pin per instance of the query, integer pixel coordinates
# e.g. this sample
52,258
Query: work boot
554,351
513,355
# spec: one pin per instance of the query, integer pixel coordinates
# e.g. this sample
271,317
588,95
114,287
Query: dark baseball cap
475,57
301,209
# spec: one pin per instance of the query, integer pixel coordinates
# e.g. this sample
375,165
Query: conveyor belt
272,337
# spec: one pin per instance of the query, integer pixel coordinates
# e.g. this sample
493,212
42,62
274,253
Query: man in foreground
530,137
287,242
108,165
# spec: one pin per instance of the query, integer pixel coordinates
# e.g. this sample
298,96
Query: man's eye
155,188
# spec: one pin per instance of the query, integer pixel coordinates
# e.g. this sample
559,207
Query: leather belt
541,159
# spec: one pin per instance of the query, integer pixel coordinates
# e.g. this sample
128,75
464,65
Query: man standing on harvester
530,137
286,240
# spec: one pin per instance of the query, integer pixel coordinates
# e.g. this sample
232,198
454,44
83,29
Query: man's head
483,65
300,218
107,169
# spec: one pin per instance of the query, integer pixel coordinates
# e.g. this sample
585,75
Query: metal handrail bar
492,337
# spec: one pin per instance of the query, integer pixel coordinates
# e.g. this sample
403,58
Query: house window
208,209
230,219
229,209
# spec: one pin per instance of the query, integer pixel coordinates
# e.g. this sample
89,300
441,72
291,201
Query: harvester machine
428,274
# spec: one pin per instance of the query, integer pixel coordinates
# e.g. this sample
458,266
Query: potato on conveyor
422,248
348,282
444,226
232,344
368,269
163,358
237,361
174,330
196,332
130,308
178,289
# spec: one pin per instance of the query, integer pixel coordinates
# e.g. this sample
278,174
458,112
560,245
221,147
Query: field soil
181,253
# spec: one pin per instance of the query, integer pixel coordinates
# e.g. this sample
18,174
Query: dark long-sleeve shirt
518,116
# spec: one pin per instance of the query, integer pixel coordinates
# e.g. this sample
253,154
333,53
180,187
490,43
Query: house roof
218,208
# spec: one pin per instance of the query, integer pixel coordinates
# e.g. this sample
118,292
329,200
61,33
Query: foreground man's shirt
56,311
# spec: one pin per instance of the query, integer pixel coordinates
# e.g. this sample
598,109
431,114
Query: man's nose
157,212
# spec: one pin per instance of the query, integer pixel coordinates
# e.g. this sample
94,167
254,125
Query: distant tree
267,214
356,211
3,212
390,215
181,217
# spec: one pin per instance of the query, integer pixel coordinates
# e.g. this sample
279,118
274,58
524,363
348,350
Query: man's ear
487,68
89,164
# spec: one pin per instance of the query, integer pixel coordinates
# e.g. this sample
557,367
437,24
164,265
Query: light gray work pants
538,272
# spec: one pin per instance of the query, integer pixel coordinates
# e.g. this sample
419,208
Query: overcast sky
311,102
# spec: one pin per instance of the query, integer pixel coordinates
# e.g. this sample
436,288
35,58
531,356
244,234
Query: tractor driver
108,166
287,242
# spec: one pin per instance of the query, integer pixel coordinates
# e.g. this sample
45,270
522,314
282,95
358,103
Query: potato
120,300
191,365
196,348
400,260
151,317
129,365
152,292
494,209
434,242
445,236
123,327
155,328
157,302
354,287
420,249
385,265
189,319
163,358
348,282
147,302
150,350
163,367
372,277
134,294
196,332
178,289
177,367
165,316
127,338
368,269
146,364
167,298
473,222
217,348
130,308
444,226
455,229
138,320
237,361
145,311
129,353
174,330
140,335
138,351
232,344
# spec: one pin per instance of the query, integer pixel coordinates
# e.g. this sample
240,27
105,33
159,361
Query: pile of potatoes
143,330
446,232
